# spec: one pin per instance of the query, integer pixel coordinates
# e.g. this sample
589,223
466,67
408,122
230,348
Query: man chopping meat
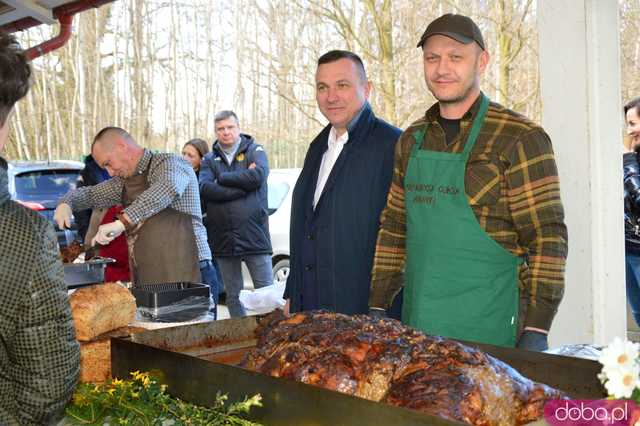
162,215
473,217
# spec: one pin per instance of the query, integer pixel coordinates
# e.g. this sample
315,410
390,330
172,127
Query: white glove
108,232
62,215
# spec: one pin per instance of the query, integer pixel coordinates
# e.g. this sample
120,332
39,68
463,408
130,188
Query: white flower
620,354
621,382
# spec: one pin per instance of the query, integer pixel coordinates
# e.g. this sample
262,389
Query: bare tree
163,68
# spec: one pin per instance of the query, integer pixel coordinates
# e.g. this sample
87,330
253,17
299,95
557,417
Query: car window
46,181
276,195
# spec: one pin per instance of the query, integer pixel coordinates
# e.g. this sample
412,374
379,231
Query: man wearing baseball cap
474,226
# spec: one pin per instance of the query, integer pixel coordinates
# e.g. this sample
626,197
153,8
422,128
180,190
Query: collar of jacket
354,120
360,123
4,181
356,127
143,164
433,113
245,141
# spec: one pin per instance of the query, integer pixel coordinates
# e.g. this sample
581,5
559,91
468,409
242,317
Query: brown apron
162,248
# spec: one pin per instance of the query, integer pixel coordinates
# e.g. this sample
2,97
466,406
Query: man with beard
473,226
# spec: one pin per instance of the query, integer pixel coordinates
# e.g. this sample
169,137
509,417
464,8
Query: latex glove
62,215
533,341
376,313
108,232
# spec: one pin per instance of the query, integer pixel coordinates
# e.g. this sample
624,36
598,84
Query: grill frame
190,360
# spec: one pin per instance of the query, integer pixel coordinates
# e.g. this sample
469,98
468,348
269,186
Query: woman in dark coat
92,174
89,220
632,206
194,151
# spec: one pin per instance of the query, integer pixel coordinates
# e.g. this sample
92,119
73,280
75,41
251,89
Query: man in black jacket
233,185
39,356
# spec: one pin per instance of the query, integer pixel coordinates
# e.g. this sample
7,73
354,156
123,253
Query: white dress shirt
335,145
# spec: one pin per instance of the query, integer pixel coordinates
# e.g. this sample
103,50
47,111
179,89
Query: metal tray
158,295
196,361
87,273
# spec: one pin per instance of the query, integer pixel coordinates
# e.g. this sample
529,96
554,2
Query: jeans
632,262
261,272
210,276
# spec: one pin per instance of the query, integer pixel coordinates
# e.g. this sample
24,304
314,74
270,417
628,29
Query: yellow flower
117,382
111,391
135,374
96,389
78,399
135,395
146,382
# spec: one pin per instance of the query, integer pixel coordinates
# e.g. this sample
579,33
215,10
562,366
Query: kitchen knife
89,249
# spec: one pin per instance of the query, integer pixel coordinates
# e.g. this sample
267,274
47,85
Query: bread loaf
101,308
95,356
95,361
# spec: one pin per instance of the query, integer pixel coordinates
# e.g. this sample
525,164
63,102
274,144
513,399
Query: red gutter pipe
64,14
66,26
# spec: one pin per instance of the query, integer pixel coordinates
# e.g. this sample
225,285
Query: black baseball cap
458,27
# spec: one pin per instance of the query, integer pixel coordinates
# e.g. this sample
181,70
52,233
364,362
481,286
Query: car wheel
281,271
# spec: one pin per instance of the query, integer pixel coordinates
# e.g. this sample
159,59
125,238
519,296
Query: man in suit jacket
340,193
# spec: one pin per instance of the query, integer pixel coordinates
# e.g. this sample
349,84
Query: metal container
196,361
159,295
172,302
86,273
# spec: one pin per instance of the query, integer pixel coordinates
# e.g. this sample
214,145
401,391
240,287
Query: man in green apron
474,226
162,215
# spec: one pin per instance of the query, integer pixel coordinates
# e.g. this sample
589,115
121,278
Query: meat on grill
71,252
383,360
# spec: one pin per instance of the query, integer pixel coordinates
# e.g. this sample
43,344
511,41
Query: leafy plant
142,400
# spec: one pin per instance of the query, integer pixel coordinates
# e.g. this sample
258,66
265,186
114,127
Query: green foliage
143,401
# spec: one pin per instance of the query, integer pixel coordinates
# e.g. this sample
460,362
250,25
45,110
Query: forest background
162,68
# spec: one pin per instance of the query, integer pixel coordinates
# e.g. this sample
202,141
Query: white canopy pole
582,112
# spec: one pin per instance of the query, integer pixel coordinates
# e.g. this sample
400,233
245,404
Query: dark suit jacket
331,269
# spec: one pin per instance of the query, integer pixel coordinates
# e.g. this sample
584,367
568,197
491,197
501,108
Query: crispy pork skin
383,360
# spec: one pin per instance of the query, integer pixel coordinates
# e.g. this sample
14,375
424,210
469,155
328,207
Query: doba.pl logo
584,412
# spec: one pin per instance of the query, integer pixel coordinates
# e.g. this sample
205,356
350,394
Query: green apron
460,283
